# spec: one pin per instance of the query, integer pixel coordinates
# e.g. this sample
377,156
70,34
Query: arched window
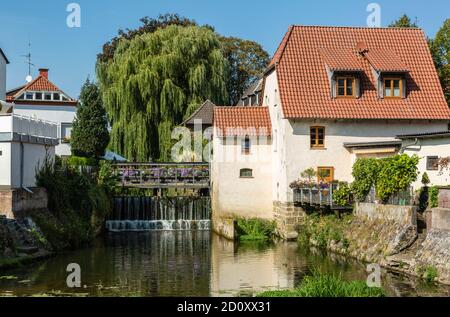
246,173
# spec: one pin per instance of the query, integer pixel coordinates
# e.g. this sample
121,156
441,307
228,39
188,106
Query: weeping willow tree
155,81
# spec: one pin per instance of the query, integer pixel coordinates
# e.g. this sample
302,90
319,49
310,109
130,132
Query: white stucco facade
62,115
236,195
427,148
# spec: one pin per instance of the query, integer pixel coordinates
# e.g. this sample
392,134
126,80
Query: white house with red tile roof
43,100
25,143
328,89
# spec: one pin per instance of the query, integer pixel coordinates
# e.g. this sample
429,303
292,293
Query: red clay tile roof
305,88
40,83
384,60
340,59
240,121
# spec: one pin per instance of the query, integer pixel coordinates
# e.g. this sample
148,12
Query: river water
189,263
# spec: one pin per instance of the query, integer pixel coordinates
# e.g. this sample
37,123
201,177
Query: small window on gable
38,96
29,96
432,163
346,86
246,145
48,96
317,137
56,96
393,87
246,173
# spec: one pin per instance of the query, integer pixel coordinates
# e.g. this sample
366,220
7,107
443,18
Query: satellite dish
28,78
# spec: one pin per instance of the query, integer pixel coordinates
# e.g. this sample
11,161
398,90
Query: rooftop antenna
29,78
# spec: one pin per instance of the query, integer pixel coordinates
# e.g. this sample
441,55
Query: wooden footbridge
163,175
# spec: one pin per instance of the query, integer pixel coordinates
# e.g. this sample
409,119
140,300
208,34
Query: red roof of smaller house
340,59
239,121
40,83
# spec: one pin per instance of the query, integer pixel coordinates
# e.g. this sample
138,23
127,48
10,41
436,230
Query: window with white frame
66,131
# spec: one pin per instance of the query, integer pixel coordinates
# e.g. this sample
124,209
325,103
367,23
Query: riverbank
379,237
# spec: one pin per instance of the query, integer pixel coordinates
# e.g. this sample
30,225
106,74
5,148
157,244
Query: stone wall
224,226
287,217
16,203
402,215
440,219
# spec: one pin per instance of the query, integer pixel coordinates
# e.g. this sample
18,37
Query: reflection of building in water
255,268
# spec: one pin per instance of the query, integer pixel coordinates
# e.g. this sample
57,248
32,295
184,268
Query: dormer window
393,87
56,97
48,96
29,96
346,87
38,96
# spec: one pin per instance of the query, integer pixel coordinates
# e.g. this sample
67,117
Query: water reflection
190,263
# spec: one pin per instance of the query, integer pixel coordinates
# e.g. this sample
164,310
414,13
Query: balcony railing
316,195
17,124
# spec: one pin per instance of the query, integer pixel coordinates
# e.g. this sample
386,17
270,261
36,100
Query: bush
75,161
106,177
423,198
365,172
255,229
321,285
343,195
433,197
74,200
396,174
428,273
425,179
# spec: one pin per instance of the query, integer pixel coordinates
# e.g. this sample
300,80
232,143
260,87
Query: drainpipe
404,147
21,164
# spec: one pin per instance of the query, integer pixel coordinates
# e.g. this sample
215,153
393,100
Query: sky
70,53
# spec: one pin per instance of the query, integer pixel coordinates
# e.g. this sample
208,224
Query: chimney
43,72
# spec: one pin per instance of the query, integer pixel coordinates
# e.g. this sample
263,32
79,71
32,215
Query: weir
160,213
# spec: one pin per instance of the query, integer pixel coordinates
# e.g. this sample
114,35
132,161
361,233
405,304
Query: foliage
255,229
322,285
425,179
440,50
309,174
90,135
75,161
404,22
429,273
396,174
73,199
322,230
149,25
154,82
343,195
247,61
433,194
106,177
365,173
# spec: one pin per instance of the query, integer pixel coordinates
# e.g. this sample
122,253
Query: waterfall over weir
160,213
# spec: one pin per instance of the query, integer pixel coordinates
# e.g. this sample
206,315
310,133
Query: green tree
149,25
404,22
90,135
155,81
440,50
247,60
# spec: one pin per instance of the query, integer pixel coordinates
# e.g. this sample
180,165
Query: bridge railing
157,175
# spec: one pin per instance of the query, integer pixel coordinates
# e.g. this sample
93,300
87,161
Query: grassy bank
254,229
321,285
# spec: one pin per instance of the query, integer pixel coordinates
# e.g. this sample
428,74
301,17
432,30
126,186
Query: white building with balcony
41,99
25,144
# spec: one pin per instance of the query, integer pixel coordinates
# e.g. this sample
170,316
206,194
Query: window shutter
380,87
404,88
333,87
357,87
